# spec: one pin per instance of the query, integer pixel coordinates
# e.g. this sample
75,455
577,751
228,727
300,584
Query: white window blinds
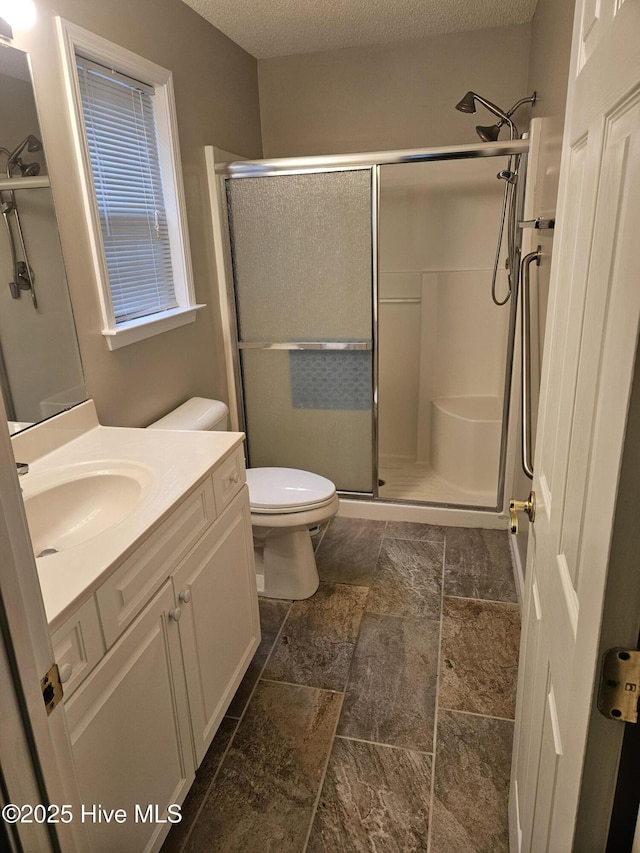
123,148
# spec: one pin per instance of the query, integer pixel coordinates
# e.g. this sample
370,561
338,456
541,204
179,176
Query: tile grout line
342,701
411,539
484,600
437,700
482,716
323,776
209,786
298,684
385,745
237,720
266,661
382,538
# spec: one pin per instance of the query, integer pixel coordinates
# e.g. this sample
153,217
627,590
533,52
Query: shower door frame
371,161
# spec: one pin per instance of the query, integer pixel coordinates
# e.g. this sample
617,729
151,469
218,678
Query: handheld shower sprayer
510,178
23,275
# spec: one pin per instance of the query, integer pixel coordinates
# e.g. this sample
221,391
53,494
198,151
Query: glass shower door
302,251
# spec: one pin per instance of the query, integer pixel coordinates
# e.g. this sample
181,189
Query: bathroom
299,101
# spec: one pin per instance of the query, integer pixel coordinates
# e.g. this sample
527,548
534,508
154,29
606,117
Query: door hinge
51,688
620,685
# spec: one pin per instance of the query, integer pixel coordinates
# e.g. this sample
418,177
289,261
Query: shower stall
367,346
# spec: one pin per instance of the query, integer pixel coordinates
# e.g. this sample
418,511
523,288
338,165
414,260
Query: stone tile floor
377,715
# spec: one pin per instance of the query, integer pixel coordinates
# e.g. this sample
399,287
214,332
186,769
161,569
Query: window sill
146,327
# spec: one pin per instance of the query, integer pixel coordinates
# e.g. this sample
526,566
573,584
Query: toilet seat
287,490
285,504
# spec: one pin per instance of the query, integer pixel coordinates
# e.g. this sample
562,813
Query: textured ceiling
267,28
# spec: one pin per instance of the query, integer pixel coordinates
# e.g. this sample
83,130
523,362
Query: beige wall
548,72
389,96
216,92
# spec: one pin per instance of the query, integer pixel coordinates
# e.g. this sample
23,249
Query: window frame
76,40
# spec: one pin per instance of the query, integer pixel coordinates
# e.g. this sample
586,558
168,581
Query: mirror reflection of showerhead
31,143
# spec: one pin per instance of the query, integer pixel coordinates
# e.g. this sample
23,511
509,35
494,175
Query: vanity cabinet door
215,589
129,726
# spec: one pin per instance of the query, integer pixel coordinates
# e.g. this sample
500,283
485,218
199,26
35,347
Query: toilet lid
287,489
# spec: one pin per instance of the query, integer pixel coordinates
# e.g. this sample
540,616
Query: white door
587,372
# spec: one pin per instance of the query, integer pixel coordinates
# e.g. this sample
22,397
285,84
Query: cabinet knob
65,672
234,478
175,614
185,596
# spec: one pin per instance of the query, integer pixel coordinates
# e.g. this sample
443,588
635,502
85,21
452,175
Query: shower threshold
419,482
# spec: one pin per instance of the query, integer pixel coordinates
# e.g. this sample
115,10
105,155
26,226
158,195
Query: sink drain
46,551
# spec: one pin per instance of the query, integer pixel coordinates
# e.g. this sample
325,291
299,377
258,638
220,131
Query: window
127,150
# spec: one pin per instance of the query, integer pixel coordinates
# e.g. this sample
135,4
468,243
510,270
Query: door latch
528,506
51,688
620,685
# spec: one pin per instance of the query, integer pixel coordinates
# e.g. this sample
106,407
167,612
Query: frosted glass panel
302,256
333,441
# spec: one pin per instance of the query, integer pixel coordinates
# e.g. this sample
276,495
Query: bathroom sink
67,507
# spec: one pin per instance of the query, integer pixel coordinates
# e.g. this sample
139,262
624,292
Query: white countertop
175,462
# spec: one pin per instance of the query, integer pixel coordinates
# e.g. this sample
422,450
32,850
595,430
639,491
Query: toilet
286,504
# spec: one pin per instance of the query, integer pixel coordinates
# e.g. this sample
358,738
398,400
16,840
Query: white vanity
154,618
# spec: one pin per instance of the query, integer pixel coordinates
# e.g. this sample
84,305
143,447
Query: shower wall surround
441,336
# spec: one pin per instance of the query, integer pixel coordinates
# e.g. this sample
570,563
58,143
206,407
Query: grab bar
525,357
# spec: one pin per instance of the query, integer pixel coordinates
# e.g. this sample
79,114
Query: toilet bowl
286,503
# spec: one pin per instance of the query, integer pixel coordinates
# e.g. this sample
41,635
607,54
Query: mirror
40,368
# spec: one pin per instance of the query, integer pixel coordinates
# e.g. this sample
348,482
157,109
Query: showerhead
30,170
467,104
489,134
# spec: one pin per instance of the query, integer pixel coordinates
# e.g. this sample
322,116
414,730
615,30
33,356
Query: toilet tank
198,413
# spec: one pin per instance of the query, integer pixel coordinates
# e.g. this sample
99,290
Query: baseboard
383,511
